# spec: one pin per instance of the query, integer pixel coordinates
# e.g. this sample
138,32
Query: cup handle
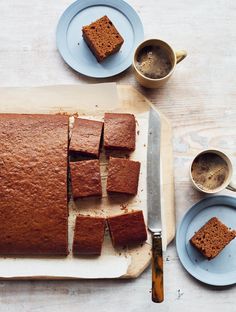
232,186
180,55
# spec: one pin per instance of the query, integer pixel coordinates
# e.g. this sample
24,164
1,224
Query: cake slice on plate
102,38
212,238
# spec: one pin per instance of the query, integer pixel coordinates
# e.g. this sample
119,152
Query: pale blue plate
74,50
220,271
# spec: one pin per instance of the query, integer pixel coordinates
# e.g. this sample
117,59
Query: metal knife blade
154,172
154,203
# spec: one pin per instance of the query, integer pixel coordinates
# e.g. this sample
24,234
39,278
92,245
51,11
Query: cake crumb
180,294
124,206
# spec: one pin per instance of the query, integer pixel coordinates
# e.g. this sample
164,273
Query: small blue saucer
220,271
75,51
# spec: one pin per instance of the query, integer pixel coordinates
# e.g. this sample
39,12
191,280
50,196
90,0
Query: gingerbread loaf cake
119,131
33,184
102,38
85,178
123,176
88,235
212,238
127,229
86,137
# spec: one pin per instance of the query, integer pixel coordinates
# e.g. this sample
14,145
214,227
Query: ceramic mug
227,184
175,58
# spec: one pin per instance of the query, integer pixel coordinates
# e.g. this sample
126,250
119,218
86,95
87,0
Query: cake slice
123,176
86,137
119,131
212,238
102,38
85,178
127,229
88,235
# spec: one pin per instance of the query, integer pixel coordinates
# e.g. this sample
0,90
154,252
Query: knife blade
154,202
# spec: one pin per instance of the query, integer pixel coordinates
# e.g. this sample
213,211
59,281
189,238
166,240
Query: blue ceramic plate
73,48
220,271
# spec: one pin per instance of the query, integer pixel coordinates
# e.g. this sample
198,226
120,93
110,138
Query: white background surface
199,100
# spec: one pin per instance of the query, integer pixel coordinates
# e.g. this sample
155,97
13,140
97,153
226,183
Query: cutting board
91,101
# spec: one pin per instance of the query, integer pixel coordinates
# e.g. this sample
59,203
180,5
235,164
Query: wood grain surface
199,100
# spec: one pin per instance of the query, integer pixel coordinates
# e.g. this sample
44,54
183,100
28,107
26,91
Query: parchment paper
89,101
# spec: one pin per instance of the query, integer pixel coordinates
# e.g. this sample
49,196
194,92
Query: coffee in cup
154,62
211,172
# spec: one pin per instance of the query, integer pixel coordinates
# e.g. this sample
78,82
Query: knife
154,203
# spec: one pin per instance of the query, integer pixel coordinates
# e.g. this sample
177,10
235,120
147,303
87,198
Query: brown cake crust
88,235
102,38
85,178
119,131
123,175
33,184
86,137
212,238
127,229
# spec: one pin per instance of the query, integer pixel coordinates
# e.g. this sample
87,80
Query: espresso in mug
209,171
153,62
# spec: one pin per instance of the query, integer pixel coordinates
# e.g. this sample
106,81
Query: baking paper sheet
89,101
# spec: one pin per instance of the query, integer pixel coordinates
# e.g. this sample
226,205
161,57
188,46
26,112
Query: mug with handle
227,184
174,56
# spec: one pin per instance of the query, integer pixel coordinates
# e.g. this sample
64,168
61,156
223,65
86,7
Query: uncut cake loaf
33,184
212,238
102,38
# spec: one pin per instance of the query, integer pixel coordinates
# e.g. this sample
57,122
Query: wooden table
200,101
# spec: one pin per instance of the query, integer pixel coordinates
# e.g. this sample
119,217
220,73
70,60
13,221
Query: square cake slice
33,184
85,178
86,137
127,229
119,131
88,235
123,176
212,238
102,38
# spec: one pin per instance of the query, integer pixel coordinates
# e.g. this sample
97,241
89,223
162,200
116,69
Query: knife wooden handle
157,268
